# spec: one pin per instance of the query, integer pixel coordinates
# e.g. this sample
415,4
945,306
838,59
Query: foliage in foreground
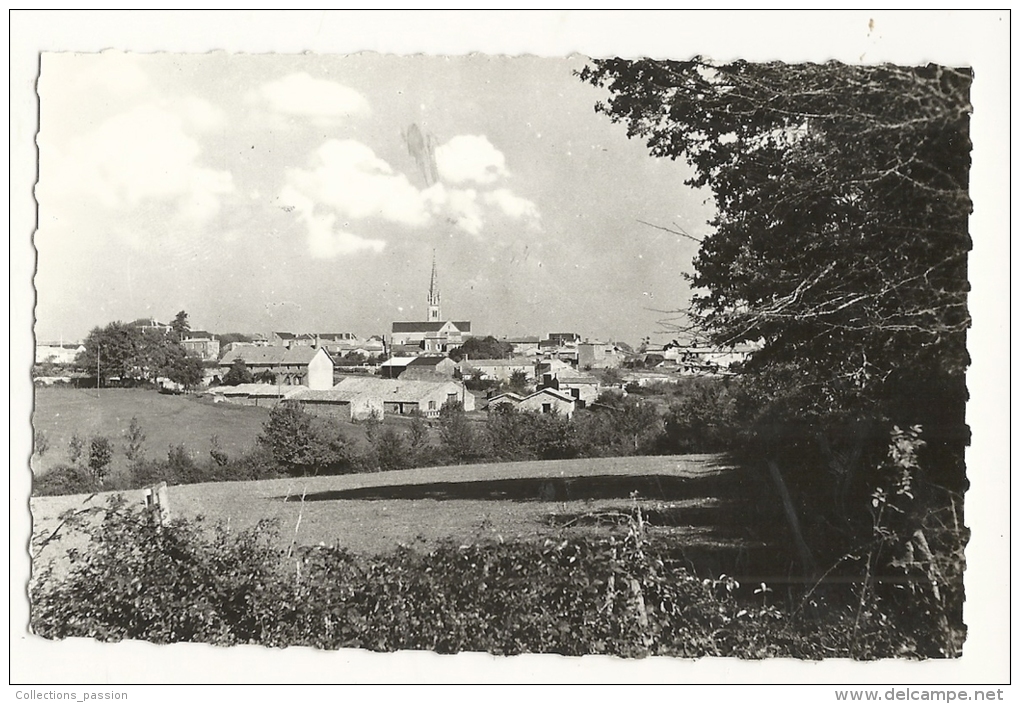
624,596
839,249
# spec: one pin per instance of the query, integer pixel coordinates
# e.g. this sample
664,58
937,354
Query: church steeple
434,313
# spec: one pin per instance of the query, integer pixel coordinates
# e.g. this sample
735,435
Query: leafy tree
266,376
111,351
128,352
418,444
217,453
186,370
76,448
352,359
611,376
841,236
839,248
701,416
228,337
180,327
303,444
518,381
390,450
525,435
456,433
628,424
482,348
100,455
238,374
134,438
289,436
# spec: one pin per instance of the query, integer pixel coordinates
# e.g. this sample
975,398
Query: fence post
157,501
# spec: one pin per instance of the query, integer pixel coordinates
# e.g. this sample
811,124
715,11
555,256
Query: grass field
60,412
692,498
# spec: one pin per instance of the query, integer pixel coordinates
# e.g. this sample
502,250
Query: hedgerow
624,595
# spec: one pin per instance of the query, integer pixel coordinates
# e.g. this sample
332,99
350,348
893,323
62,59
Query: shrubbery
620,595
294,442
303,444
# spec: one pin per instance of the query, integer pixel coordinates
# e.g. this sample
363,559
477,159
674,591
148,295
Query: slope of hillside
695,497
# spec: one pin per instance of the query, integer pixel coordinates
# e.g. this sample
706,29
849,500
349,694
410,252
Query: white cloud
512,205
141,155
347,181
348,177
470,158
300,94
324,241
458,206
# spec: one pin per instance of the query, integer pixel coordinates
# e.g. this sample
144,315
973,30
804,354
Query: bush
624,596
141,580
304,444
64,479
514,435
458,442
702,416
134,440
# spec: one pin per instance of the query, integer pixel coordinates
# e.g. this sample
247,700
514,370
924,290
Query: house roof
513,362
427,361
572,376
396,389
412,326
272,356
148,323
577,380
398,361
551,392
198,335
61,345
260,390
508,396
334,395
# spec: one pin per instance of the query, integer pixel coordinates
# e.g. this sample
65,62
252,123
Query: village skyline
268,193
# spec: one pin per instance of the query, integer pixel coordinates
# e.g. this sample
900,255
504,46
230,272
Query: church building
434,335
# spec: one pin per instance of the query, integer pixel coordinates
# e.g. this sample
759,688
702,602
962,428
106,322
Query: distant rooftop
282,356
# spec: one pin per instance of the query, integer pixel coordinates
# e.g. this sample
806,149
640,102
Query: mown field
693,498
166,420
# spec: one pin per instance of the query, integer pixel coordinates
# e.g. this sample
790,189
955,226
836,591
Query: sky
310,192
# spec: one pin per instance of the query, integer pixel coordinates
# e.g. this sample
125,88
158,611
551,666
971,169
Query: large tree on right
839,245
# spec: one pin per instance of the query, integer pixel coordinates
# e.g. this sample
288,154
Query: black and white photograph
654,358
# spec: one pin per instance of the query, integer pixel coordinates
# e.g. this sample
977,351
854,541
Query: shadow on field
653,487
707,512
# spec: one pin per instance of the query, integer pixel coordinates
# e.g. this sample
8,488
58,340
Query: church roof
463,326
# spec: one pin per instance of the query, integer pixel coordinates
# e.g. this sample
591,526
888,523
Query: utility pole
99,350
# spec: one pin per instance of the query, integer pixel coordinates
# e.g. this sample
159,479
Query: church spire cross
434,312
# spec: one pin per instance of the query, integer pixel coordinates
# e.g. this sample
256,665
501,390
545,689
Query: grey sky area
304,192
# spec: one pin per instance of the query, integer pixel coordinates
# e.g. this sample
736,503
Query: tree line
698,417
839,247
132,353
